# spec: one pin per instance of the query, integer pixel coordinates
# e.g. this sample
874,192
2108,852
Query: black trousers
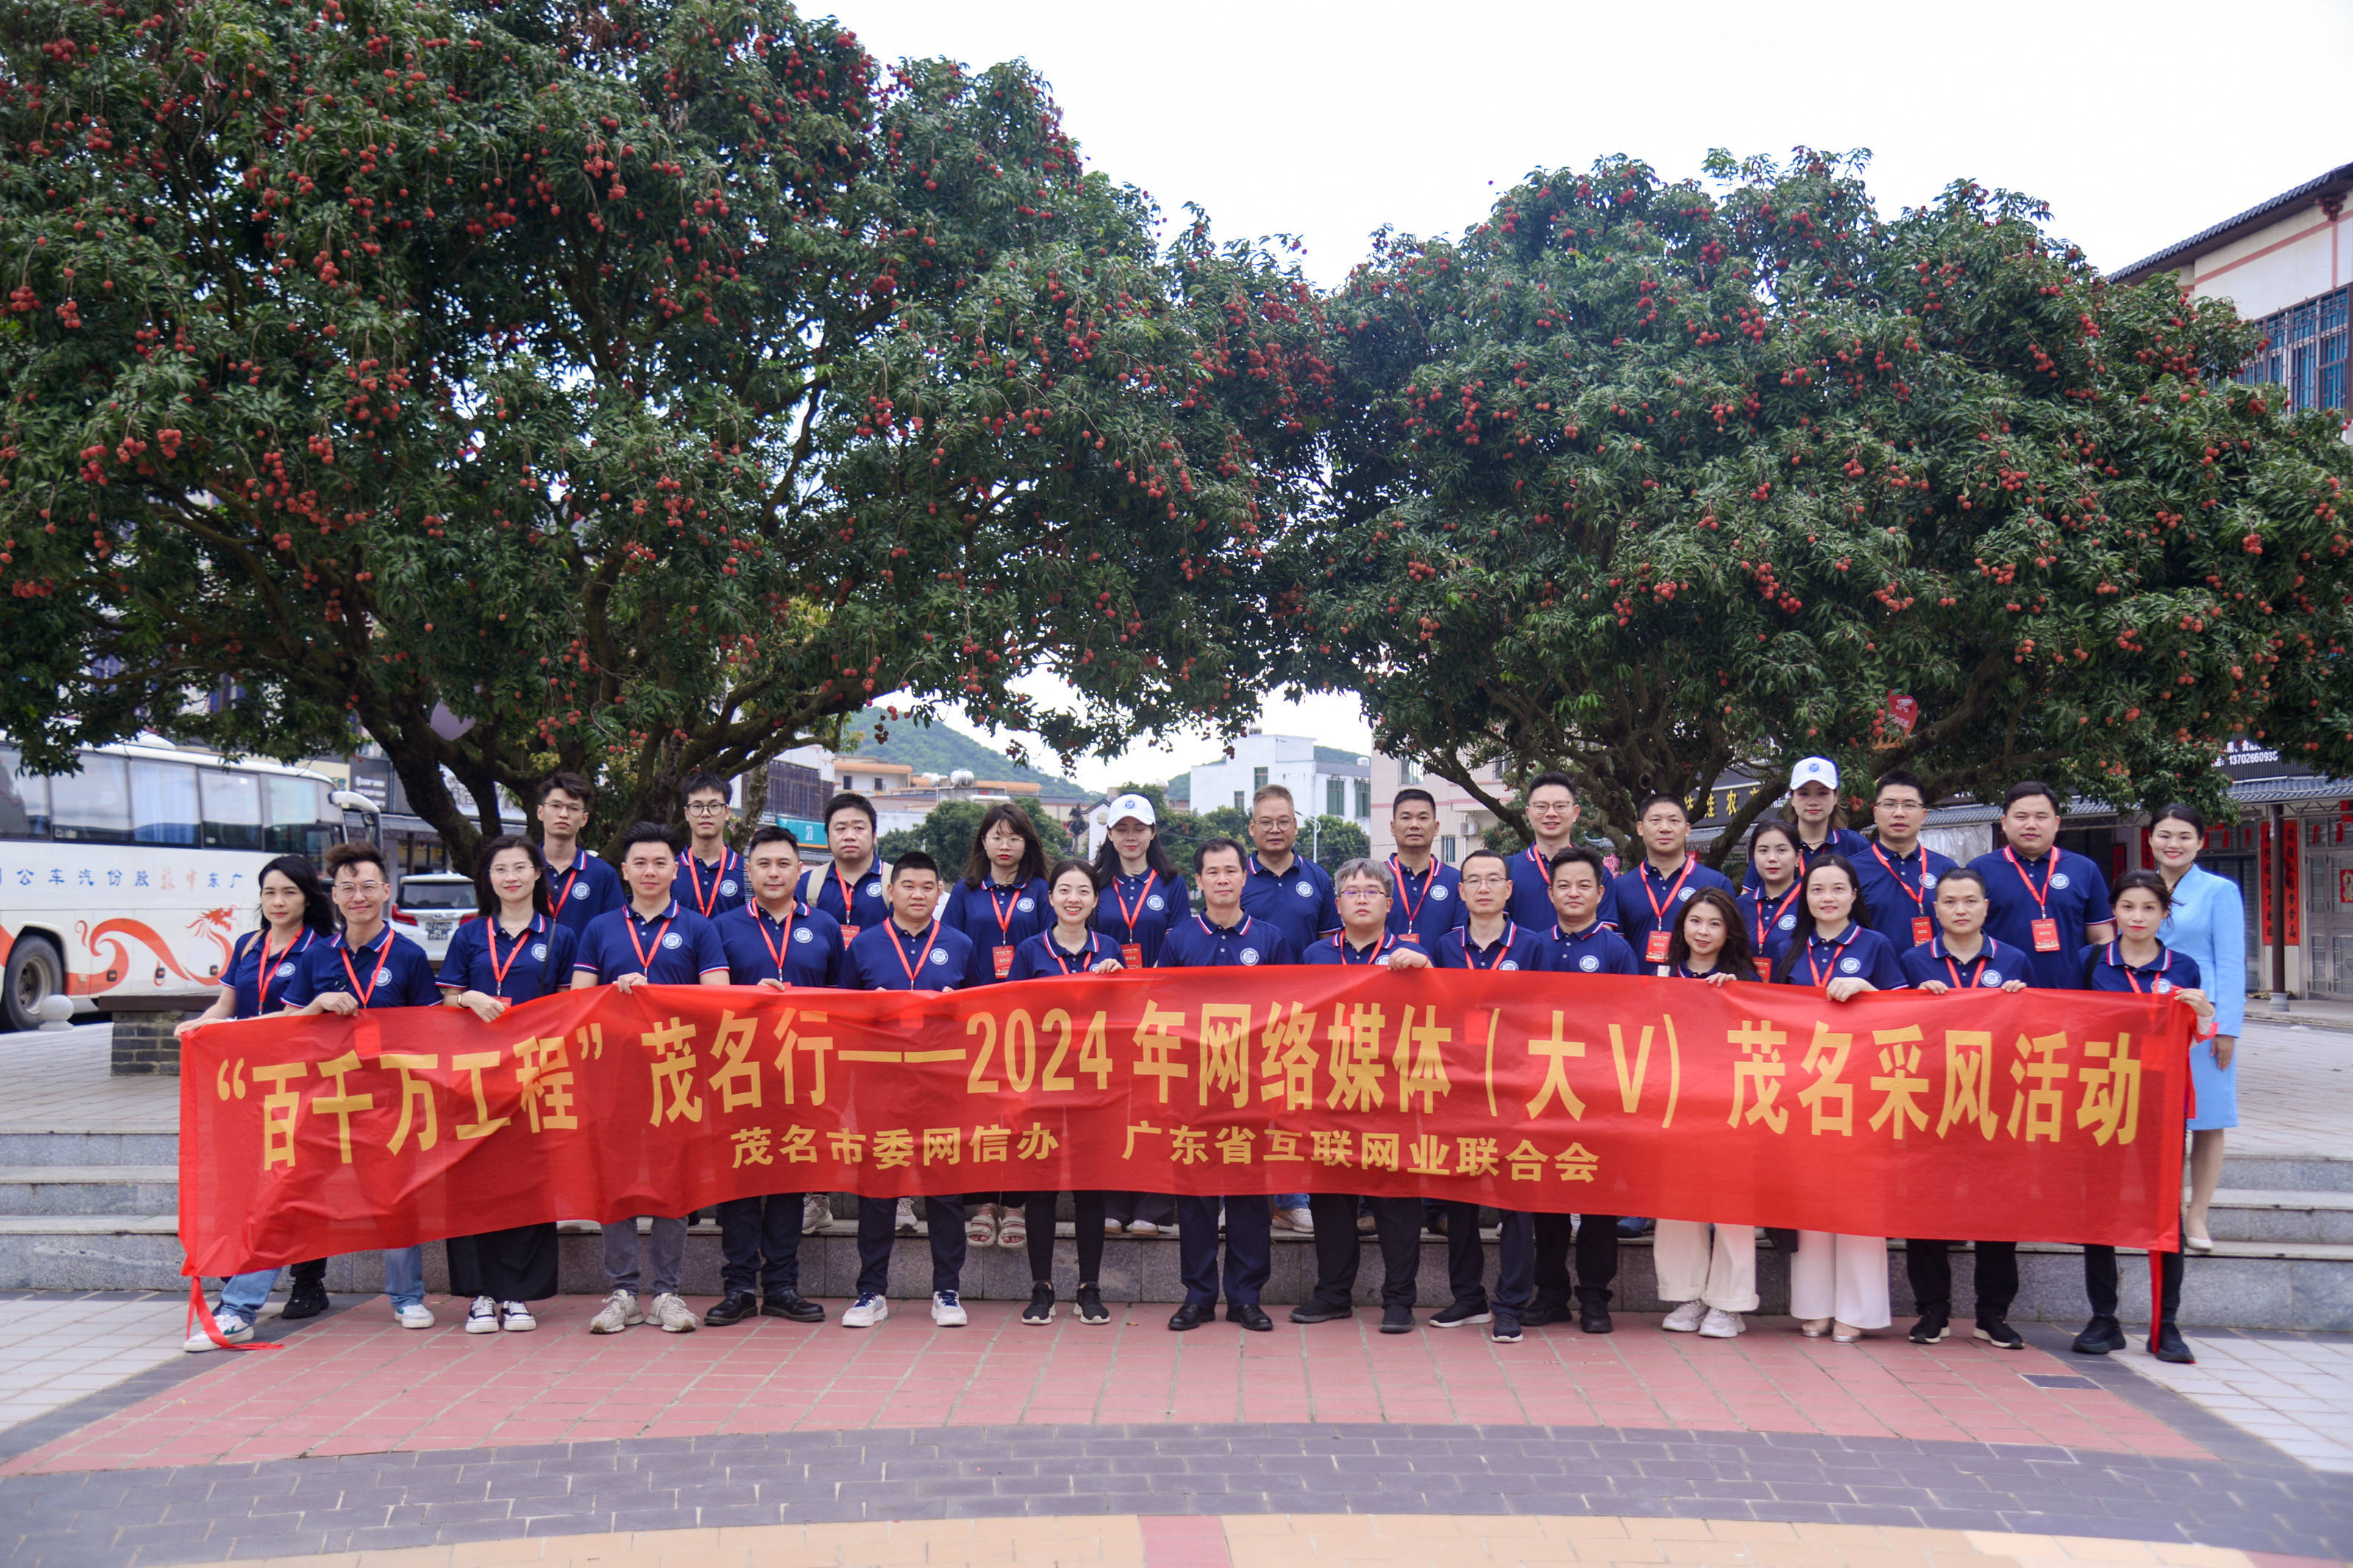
1086,1221
1157,1208
314,1271
760,1244
1597,1258
1396,1224
1929,1267
1249,1242
1466,1259
878,1226
2100,1283
513,1265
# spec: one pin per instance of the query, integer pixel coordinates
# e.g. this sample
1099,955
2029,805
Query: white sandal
980,1225
1013,1230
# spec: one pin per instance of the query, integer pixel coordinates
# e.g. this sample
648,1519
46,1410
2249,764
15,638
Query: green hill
937,749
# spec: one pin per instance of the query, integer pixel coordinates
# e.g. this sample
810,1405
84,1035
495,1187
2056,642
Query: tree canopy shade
646,384
1650,483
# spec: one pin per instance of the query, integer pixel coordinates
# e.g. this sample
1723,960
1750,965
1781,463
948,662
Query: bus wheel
35,972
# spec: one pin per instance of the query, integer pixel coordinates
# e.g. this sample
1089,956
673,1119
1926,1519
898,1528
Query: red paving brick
355,1383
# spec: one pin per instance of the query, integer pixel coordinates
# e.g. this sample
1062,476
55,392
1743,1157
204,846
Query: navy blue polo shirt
1843,841
2166,972
1767,920
1140,910
1858,953
1515,947
1198,942
1424,907
1531,903
679,946
1338,949
710,890
885,958
2073,893
392,971
1637,891
993,915
244,976
589,886
808,944
1596,950
1040,956
854,902
1995,965
1897,889
537,962
1298,901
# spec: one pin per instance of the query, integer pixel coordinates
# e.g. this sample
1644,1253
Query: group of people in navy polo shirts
1821,906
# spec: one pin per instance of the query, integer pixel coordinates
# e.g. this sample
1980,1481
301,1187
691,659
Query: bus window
232,810
92,807
164,803
300,819
24,800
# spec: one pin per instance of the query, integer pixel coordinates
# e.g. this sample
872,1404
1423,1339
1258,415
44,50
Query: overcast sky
2139,124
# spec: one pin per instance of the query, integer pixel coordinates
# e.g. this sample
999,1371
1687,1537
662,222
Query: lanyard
1004,911
702,901
1341,945
1658,910
2042,894
1413,906
498,970
1126,914
1984,957
570,877
1766,919
629,924
1086,959
1919,902
297,943
1813,965
1471,956
784,934
899,946
841,884
373,970
2132,975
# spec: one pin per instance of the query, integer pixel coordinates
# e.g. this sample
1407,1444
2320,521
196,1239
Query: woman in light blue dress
2208,923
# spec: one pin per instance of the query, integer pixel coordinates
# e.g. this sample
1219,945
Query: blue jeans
244,1293
1291,1200
404,1284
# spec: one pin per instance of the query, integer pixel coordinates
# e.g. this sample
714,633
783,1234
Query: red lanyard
1919,900
899,947
2042,894
1004,912
374,970
1813,965
1659,910
297,943
702,901
498,970
1470,958
841,883
2132,977
1086,959
1126,914
1413,908
1340,945
1984,957
1769,918
775,949
629,924
572,876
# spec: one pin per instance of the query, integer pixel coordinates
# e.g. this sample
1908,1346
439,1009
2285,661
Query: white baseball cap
1135,805
1814,769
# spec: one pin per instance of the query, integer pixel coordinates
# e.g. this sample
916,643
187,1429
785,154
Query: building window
1364,797
1408,771
1258,778
1335,797
1446,848
1238,795
2306,353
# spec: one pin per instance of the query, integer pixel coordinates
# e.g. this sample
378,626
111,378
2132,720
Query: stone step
88,1146
2287,1172
87,1189
2245,1215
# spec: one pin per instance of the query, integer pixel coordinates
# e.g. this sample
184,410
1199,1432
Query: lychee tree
643,387
1656,481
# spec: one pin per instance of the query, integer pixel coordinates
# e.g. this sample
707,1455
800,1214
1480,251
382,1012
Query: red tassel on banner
200,1313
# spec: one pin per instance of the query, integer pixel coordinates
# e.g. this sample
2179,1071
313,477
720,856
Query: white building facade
1324,781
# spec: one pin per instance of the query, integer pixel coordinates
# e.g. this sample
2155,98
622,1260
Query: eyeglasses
706,808
1489,881
1364,893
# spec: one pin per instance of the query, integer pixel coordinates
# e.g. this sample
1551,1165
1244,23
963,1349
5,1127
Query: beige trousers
1841,1277
1722,1274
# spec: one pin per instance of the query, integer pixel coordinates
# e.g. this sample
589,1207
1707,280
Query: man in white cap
1813,816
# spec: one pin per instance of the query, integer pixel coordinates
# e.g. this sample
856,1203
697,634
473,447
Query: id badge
849,934
1131,953
2046,936
1003,958
1922,930
1764,968
1655,951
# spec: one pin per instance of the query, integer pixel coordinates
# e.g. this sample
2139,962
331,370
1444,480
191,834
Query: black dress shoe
1540,1313
308,1300
1320,1312
1250,1315
2100,1336
1397,1320
2170,1346
790,1304
736,1306
1593,1318
1187,1317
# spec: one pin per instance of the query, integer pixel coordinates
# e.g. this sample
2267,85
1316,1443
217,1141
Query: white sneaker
816,1211
1143,1227
1686,1319
1300,1220
620,1309
865,1313
483,1317
417,1315
233,1327
515,1318
947,1312
1112,1227
669,1311
905,1223
1722,1325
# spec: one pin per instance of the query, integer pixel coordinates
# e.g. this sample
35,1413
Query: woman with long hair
1000,902
1708,940
1713,1277
1768,904
2206,923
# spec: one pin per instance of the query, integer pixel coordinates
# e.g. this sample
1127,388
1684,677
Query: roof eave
2336,182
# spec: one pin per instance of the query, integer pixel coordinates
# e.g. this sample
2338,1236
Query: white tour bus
133,877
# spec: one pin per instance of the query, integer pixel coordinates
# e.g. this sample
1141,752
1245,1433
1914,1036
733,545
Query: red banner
2039,1116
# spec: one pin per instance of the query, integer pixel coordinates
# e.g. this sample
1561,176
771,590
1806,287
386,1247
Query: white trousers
1841,1277
1722,1275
